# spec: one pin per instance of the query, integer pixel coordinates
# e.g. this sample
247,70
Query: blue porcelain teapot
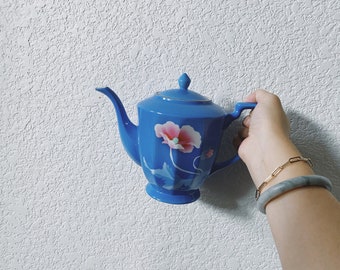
177,140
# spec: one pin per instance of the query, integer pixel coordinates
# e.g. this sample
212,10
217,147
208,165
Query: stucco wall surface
70,197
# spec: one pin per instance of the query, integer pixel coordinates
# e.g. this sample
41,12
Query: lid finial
184,81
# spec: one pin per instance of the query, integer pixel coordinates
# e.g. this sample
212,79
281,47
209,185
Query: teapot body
176,141
178,145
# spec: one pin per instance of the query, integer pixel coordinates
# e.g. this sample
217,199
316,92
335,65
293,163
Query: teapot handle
229,118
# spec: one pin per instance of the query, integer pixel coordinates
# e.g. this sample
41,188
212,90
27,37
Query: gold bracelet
278,170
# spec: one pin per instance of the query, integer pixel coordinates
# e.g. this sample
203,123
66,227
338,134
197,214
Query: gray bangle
285,186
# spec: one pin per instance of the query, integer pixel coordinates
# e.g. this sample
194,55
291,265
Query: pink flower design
184,139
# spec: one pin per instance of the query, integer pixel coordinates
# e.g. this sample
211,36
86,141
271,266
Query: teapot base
172,196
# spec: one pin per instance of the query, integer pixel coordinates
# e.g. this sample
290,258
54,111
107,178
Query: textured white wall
70,198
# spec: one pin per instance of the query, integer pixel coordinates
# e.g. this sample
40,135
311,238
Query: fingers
237,142
244,132
242,135
246,121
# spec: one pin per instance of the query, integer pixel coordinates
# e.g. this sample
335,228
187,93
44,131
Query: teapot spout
127,130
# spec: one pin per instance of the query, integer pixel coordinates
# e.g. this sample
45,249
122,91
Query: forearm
306,227
305,222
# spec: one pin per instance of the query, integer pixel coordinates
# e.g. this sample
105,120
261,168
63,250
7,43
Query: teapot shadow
229,188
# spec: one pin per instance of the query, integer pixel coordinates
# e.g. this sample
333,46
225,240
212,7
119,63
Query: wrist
278,152
290,185
287,171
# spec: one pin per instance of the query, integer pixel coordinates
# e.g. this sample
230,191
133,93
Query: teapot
176,141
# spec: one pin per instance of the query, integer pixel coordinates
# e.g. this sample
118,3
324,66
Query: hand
265,142
299,217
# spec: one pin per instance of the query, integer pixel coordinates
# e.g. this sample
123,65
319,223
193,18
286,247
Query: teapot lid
183,93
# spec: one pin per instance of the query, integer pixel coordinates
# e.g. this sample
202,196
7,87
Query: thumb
256,96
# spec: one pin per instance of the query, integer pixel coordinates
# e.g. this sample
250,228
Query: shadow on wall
228,188
315,143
